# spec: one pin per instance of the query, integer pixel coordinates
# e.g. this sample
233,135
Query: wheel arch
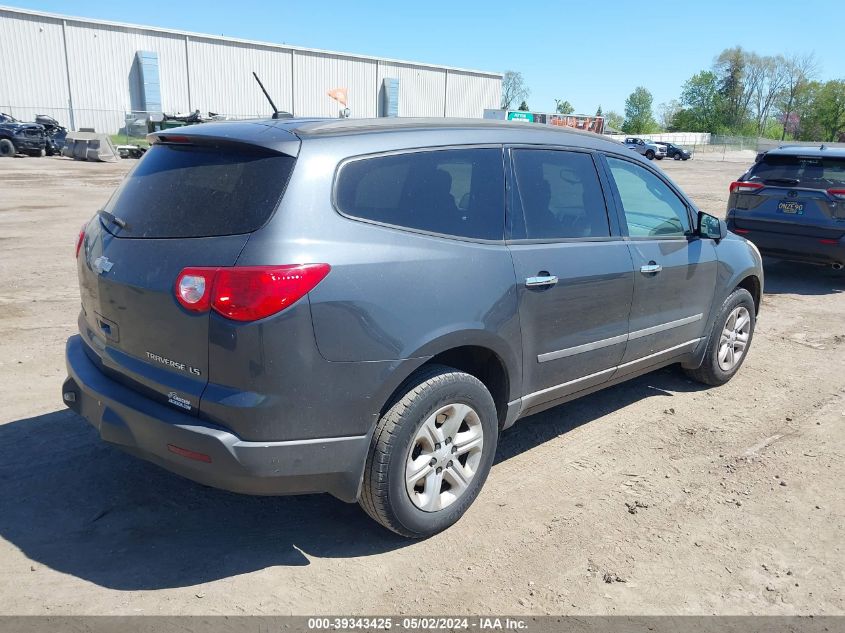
752,283
480,354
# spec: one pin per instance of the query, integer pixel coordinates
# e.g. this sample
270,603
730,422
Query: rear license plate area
791,207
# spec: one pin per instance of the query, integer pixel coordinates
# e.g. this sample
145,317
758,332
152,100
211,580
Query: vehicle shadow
801,279
77,505
541,427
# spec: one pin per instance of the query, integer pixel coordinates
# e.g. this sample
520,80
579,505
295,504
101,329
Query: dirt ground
736,493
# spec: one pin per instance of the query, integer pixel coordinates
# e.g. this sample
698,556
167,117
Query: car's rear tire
430,453
649,154
729,341
7,148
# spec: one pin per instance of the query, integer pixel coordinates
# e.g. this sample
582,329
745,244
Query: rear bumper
793,247
153,431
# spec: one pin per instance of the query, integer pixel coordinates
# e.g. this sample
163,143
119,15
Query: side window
652,209
456,192
560,195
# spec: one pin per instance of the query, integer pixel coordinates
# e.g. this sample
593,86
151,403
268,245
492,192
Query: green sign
521,116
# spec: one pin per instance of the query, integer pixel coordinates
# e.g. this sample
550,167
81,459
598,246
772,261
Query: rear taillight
79,240
745,187
247,293
193,288
837,193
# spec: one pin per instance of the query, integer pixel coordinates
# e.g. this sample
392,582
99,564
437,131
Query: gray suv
361,307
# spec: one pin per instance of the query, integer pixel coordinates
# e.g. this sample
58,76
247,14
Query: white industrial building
96,74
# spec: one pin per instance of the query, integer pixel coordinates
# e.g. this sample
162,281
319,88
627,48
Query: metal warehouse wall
78,71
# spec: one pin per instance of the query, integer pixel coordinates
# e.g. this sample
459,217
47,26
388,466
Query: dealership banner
577,121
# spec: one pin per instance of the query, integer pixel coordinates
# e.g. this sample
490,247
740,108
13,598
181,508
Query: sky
588,53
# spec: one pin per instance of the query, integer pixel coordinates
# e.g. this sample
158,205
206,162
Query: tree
700,101
767,89
563,107
514,89
523,105
666,113
638,116
598,111
821,111
614,120
799,70
736,77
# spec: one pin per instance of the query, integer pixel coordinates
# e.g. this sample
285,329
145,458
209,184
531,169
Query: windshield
194,191
803,171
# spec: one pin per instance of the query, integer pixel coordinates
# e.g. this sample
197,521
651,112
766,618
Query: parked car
791,204
674,151
646,148
17,137
357,307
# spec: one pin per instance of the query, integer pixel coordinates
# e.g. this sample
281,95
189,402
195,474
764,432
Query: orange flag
338,94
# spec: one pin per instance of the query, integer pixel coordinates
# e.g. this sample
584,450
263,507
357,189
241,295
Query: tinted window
804,171
191,191
560,195
456,192
652,209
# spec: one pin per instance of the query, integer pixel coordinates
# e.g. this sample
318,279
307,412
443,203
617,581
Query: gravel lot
735,494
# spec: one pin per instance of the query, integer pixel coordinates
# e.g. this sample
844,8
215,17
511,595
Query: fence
710,147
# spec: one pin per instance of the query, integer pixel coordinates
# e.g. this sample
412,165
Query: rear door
674,271
791,194
573,269
183,205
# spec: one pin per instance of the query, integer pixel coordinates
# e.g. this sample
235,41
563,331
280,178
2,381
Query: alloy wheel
734,339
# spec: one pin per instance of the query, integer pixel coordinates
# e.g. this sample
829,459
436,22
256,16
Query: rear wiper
112,218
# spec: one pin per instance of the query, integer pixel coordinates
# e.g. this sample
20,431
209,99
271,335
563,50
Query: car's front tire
430,453
649,154
7,148
677,156
729,340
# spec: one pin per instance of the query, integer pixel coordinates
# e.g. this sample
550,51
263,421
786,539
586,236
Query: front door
674,270
574,273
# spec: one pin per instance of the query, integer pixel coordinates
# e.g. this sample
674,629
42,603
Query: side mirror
711,227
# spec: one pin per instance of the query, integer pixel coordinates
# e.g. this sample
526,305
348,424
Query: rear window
805,171
194,191
455,192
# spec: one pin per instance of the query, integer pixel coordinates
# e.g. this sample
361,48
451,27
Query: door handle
651,268
541,280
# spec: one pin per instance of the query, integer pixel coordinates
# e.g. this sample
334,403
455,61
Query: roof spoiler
232,133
